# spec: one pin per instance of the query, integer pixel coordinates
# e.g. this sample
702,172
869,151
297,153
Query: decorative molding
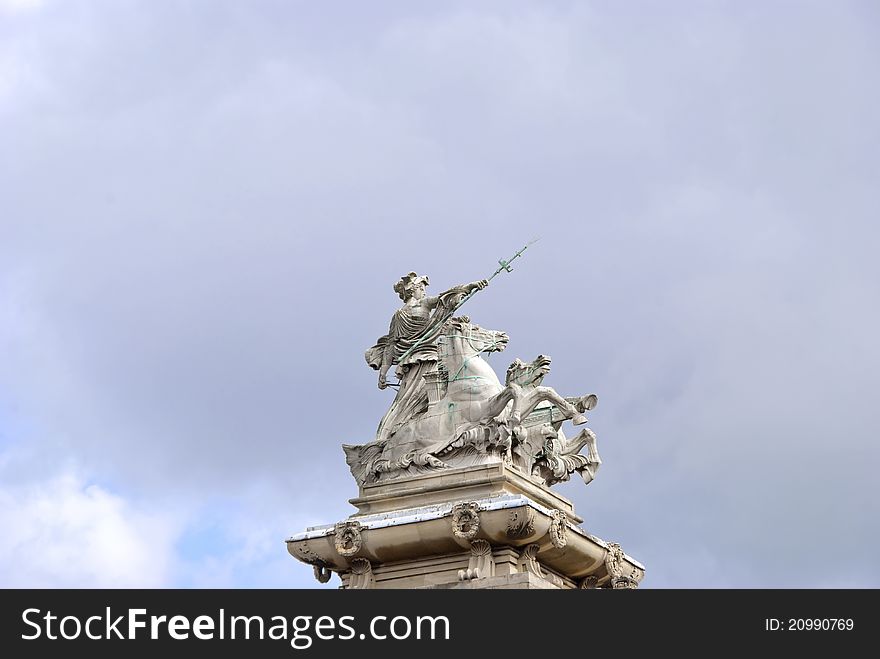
555,579
465,520
305,554
589,583
624,583
322,572
614,561
529,562
481,565
521,523
614,565
361,575
558,528
348,538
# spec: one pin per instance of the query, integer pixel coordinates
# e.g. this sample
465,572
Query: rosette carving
348,538
465,520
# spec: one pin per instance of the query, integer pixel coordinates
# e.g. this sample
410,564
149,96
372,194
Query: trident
504,266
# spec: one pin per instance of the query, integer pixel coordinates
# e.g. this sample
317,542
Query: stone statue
411,345
451,410
454,489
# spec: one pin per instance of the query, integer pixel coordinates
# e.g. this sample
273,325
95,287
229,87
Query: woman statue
411,345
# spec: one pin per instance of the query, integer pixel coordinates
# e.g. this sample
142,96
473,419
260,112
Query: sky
204,206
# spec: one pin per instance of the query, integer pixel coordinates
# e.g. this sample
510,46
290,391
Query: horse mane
527,373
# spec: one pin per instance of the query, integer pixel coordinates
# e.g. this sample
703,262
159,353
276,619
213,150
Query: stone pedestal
485,526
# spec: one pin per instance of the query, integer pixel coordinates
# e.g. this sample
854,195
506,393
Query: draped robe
412,326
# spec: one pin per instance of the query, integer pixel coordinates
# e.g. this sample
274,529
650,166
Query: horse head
468,339
528,374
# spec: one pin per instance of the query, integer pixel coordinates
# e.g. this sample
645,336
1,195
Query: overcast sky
204,206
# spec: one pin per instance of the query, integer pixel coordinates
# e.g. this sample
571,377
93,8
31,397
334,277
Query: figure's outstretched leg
592,449
496,404
588,471
585,437
540,394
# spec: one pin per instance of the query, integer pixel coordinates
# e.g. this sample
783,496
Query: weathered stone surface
451,410
454,488
518,581
415,546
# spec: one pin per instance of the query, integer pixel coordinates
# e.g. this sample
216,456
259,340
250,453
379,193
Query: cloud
234,542
14,6
205,207
66,532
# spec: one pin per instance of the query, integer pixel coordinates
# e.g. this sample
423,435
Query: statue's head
411,284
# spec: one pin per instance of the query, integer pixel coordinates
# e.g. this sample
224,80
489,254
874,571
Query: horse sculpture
472,418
